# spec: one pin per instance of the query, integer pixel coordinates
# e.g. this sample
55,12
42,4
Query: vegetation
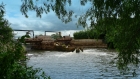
95,33
88,34
22,39
56,36
119,19
5,30
12,55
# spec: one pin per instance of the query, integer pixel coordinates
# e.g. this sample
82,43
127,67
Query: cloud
51,23
48,22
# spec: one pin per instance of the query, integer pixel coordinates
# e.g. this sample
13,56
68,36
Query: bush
12,55
88,34
13,64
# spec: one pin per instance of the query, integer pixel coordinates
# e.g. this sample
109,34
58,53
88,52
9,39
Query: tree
12,55
119,19
5,31
55,36
22,39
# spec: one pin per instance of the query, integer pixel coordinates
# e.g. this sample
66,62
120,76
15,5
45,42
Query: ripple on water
90,64
64,54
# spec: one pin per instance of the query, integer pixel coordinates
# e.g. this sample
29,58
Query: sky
48,22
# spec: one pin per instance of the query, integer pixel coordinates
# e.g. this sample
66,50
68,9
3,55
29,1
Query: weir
65,43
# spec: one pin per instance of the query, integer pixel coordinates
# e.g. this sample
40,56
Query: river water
90,64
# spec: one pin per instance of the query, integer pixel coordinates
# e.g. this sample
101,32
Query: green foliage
88,34
13,64
121,24
124,37
55,36
12,56
2,9
5,31
22,39
55,5
78,35
81,35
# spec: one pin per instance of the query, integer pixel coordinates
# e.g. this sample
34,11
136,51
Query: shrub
12,55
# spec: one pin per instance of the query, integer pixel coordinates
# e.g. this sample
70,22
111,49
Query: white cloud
48,22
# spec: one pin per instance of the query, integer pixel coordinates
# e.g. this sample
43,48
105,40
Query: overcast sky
48,22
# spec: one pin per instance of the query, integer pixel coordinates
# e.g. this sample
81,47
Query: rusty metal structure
65,43
49,31
25,30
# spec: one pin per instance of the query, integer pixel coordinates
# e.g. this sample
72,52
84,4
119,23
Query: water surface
90,64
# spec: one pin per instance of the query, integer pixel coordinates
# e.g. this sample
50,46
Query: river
90,64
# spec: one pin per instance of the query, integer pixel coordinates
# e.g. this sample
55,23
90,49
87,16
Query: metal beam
49,31
24,30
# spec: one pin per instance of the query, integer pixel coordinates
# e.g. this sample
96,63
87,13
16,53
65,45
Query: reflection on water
90,64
